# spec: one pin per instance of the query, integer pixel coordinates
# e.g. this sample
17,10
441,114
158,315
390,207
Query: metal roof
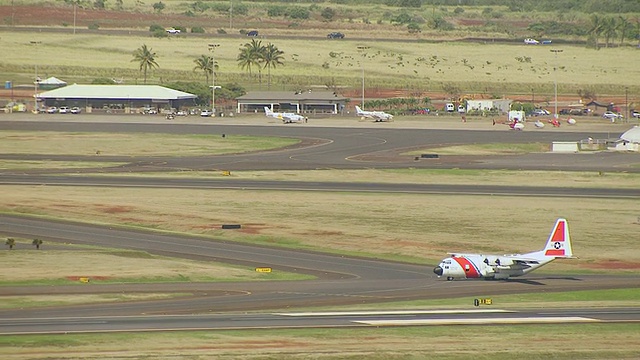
132,92
288,96
632,135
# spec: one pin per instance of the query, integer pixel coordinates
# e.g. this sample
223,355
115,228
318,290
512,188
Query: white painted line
523,320
395,312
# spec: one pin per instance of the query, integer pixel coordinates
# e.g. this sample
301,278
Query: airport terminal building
300,102
124,99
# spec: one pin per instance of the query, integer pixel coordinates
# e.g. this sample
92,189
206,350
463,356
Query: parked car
335,35
206,113
252,33
76,110
540,112
64,110
611,115
173,31
635,114
52,110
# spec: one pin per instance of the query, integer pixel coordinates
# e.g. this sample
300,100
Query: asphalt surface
341,280
341,148
317,319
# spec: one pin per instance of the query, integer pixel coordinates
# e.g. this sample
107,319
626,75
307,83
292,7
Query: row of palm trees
611,27
252,55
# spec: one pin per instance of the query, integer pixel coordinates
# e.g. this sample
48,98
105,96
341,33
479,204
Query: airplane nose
437,270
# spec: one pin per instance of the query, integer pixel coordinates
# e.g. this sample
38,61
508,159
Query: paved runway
484,316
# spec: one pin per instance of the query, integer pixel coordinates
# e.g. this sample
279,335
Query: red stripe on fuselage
469,268
558,235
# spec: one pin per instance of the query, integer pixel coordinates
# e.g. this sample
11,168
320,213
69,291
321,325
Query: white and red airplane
469,266
376,116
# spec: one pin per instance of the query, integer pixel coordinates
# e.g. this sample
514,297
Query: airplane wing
515,264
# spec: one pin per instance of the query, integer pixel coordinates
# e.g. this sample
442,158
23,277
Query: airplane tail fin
358,110
267,111
559,242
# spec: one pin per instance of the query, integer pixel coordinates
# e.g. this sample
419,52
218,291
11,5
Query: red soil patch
63,16
252,229
613,265
115,209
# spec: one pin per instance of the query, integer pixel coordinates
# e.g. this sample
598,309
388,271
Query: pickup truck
173,31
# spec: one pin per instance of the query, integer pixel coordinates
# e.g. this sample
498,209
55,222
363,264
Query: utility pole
361,50
36,80
212,48
555,81
231,16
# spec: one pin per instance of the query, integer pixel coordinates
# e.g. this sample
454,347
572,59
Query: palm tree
623,26
609,29
271,57
11,242
206,64
596,28
37,243
147,59
251,55
245,59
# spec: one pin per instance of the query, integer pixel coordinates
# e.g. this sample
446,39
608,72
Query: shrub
155,27
276,10
199,6
160,33
328,14
458,10
93,26
221,31
298,12
159,6
197,30
413,28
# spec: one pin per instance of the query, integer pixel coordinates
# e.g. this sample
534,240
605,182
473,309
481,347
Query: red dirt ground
63,16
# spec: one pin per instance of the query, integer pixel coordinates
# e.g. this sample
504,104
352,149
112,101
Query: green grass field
488,69
418,228
556,341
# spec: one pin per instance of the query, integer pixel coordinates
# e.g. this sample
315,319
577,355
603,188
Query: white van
449,107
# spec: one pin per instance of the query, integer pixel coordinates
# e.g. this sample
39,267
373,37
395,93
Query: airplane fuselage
475,266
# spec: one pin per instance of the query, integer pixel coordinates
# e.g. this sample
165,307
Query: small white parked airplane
285,117
469,266
377,116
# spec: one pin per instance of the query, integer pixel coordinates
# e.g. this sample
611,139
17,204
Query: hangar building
117,98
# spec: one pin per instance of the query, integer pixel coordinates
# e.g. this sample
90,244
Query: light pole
212,48
36,80
361,50
555,82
